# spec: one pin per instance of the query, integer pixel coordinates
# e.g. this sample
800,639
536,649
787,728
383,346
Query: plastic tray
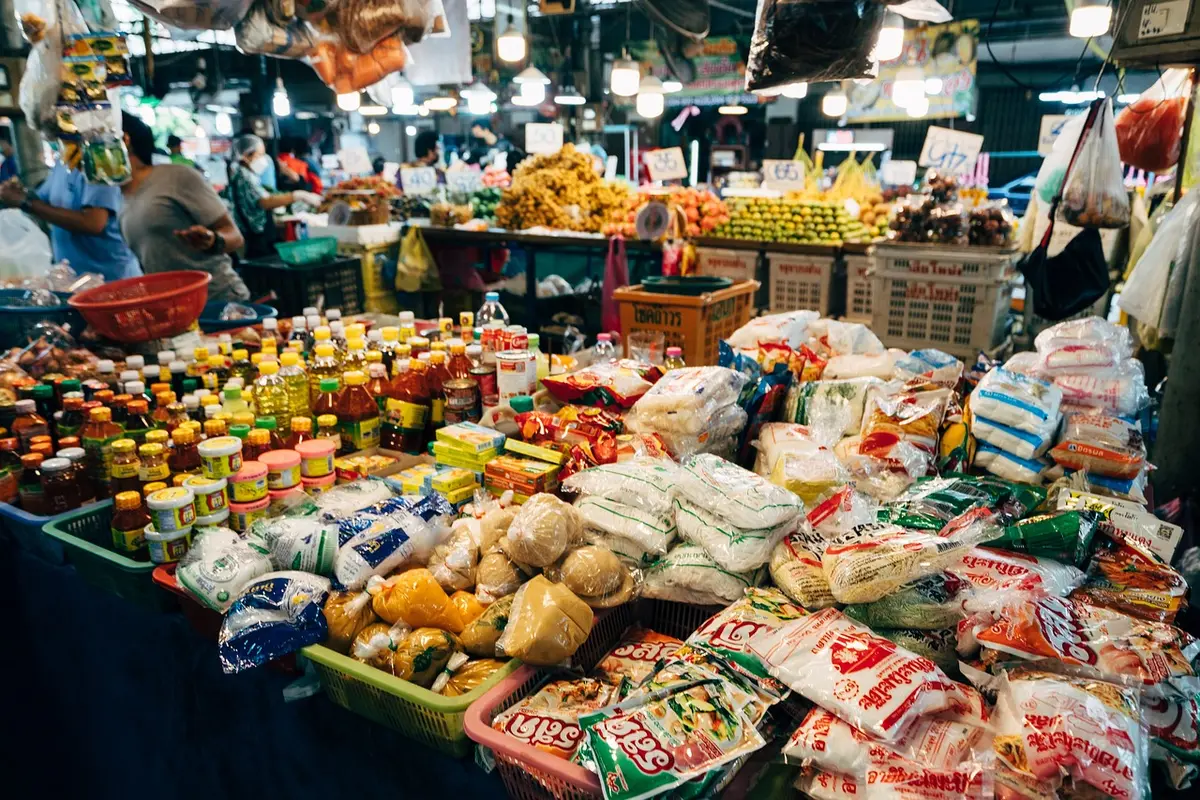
304,252
16,322
531,774
27,528
418,713
85,535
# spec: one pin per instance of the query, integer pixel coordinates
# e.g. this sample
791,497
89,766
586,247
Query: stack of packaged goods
1014,417
468,446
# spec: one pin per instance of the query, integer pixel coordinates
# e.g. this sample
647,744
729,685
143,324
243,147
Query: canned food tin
512,374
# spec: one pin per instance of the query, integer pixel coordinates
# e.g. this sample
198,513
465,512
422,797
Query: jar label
128,541
361,434
153,472
126,470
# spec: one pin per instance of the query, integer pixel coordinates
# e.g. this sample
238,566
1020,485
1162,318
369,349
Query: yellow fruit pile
559,190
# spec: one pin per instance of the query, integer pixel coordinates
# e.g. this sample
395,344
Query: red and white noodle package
899,779
872,683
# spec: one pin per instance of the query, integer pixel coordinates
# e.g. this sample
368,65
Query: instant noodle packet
635,658
1133,582
549,719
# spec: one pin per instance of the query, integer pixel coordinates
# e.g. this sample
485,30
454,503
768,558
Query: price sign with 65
464,180
666,164
418,180
543,137
950,151
783,175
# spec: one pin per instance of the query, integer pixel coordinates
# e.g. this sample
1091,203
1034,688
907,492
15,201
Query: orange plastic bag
345,71
1150,130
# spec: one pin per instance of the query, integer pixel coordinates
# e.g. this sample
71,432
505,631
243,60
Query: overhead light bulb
1090,18
531,75
650,101
797,90
373,111
280,104
919,107
223,124
200,133
410,110
422,111
533,94
626,76
934,85
835,103
908,86
510,45
479,106
441,103
732,111
890,42
373,128
670,87
402,95
569,96
479,98
411,130
349,101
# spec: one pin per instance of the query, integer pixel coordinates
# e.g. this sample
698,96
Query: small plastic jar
283,468
172,510
214,520
280,500
212,496
221,457
316,457
167,548
316,486
243,515
249,485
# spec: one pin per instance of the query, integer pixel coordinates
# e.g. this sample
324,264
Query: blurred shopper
251,202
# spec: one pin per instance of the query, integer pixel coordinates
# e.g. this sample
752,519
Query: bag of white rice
652,533
299,543
218,565
371,553
736,495
625,549
1018,442
687,574
735,549
1018,401
868,681
1004,464
647,483
797,573
803,398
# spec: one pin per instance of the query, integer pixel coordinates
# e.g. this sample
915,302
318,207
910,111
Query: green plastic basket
418,713
303,252
85,535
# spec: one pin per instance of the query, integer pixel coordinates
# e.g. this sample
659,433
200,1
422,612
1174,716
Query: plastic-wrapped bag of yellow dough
547,625
496,576
468,606
543,530
347,613
415,597
376,644
809,476
470,676
421,655
480,635
493,525
453,561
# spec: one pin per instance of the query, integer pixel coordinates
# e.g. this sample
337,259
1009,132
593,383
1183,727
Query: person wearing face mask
252,204
172,219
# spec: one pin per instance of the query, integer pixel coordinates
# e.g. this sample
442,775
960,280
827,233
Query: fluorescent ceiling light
411,130
672,86
732,111
858,147
569,96
442,103
1071,96
835,103
303,115
373,111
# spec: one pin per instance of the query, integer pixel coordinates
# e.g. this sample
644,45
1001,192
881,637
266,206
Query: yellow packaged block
470,438
456,496
449,480
452,456
535,452
524,475
413,480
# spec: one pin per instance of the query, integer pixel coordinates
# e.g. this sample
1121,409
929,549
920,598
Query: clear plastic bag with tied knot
205,15
1094,194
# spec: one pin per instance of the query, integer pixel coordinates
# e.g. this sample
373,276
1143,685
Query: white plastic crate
800,281
957,316
737,265
945,261
859,288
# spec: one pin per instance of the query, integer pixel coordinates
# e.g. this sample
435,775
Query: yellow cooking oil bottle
271,395
324,364
296,381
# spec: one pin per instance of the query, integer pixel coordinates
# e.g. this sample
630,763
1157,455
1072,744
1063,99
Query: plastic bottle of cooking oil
356,357
233,401
322,335
324,364
271,395
296,380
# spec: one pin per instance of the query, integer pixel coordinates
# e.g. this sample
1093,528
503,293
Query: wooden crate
695,324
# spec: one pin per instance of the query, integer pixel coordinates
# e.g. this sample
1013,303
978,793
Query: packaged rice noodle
734,549
810,476
998,577
1021,402
863,570
728,633
931,365
1005,465
836,337
840,512
872,365
735,494
828,743
650,744
1173,720
932,603
911,417
1120,391
219,565
684,399
937,646
635,658
1100,445
275,614
724,426
648,484
549,718
1067,635
930,503
1064,536
625,549
1048,725
611,384
868,681
797,573
687,574
1124,578
790,328
653,533
776,439
890,777
803,398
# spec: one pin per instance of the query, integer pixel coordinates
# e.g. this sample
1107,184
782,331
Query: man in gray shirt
173,220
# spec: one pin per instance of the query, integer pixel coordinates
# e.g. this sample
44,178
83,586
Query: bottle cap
604,337
124,446
216,362
56,465
178,366
182,435
135,362
105,365
301,424
492,297
322,333
324,350
328,384
232,393
259,436
151,373
138,406
165,357
333,314
241,355
289,359
151,449
268,368
97,415
327,420
129,375
672,352
355,378
270,324
127,501
310,311
535,340
521,404
298,323
241,431
266,423
42,391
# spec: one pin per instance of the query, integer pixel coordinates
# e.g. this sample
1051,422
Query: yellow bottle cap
209,400
256,359
289,359
100,415
200,354
324,350
374,357
356,344
390,333
321,334
438,347
356,331
183,435
355,378
327,420
151,488
259,436
216,362
156,437
437,357
124,446
241,354
151,449
127,501
268,368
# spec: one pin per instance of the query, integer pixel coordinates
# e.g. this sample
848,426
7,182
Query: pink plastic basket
529,773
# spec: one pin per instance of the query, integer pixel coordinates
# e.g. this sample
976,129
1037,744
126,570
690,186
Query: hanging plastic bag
616,275
213,15
26,250
1053,171
1150,129
812,40
1146,288
416,260
1094,194
258,34
345,71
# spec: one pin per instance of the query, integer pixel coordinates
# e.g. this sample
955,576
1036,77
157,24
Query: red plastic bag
616,275
1150,130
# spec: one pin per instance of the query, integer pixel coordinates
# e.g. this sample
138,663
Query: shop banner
946,52
713,71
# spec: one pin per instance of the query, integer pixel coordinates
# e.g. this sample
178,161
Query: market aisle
118,702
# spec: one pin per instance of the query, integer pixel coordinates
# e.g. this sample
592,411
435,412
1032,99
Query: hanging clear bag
1094,194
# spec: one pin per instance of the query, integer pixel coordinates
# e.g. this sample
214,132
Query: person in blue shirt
9,167
84,230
